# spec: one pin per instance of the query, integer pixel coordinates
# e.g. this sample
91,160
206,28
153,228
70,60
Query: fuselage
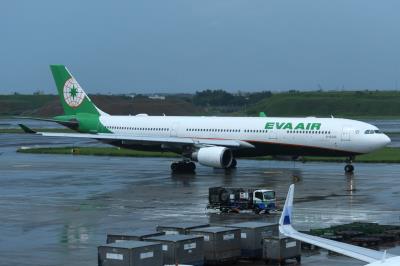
269,135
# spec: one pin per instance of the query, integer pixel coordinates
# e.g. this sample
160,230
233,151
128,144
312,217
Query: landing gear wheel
183,167
174,167
191,166
349,168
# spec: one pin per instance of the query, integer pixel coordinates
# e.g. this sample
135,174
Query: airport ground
56,209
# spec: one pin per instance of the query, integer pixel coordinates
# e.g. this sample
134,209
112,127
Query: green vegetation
356,104
386,155
357,228
18,104
349,104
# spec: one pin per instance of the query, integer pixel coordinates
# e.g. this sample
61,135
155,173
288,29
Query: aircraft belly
289,149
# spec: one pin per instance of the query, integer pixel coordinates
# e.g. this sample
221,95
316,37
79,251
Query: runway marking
271,172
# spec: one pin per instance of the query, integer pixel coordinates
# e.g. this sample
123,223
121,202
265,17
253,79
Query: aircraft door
174,129
346,134
272,134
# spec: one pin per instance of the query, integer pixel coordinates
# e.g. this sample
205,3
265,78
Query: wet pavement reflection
56,209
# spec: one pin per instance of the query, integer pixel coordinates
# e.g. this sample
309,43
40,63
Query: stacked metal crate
181,249
221,244
180,228
130,253
138,235
280,248
252,235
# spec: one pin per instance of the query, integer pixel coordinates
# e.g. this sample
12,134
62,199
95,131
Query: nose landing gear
349,168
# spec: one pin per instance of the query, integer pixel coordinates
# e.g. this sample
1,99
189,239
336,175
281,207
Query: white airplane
212,141
372,257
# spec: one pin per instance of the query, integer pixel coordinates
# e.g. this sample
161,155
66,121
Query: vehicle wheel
298,259
224,210
349,168
174,167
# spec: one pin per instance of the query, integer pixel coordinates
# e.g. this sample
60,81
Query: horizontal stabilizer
73,124
27,129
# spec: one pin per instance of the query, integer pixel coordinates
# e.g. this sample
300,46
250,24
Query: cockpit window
373,131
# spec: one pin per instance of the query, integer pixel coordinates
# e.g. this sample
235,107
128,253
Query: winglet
286,216
27,129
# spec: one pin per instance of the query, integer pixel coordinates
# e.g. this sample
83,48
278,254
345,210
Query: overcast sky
188,45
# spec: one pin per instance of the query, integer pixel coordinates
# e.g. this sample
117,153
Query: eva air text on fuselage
295,126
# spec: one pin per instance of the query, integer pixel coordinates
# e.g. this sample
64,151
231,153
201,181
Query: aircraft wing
360,253
153,140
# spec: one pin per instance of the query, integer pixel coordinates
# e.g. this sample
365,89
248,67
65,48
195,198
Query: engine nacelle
219,157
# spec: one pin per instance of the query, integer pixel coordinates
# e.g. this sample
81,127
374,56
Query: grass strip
99,151
20,131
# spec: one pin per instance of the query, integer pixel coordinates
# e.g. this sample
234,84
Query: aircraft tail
73,99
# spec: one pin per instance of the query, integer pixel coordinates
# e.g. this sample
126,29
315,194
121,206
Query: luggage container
252,235
221,244
180,228
138,235
130,253
181,249
280,248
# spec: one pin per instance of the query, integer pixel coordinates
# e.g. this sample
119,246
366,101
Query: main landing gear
183,167
349,168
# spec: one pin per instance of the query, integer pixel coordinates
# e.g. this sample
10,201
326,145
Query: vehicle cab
264,199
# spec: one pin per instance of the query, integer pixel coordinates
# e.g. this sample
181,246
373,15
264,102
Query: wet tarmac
56,209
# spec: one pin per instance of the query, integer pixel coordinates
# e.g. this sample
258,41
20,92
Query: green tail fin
73,99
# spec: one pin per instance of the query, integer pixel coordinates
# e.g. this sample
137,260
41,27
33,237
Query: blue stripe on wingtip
286,220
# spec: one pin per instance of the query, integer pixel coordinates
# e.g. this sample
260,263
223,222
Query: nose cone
385,140
376,142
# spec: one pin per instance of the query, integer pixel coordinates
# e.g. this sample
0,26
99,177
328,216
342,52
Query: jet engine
219,157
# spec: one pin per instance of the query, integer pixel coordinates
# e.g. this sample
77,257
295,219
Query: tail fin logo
73,93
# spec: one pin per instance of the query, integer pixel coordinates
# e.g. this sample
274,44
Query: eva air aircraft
212,141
